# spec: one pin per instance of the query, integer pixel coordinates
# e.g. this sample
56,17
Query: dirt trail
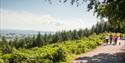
103,54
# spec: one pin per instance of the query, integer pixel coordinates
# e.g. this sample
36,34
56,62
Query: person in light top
107,39
119,40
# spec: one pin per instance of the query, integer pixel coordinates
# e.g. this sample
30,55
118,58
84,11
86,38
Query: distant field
10,34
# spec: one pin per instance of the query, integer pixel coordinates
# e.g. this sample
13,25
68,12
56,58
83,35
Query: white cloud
24,20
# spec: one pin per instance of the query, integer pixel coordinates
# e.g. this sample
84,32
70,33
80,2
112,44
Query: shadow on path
104,58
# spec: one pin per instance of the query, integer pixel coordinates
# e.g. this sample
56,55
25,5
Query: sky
42,16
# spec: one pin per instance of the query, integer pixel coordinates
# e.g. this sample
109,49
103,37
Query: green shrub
52,53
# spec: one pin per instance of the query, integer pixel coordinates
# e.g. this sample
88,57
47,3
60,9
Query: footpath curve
103,54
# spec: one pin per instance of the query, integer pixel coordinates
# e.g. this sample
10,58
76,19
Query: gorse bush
51,53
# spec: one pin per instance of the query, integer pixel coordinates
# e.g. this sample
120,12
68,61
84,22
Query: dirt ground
103,54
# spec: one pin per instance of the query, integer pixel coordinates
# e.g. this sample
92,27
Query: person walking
107,39
115,39
119,40
111,39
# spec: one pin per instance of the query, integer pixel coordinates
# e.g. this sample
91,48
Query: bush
52,53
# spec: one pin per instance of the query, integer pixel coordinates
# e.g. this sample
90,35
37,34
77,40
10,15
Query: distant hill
6,31
10,33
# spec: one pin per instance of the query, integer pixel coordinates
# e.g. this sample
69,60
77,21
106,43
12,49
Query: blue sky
40,15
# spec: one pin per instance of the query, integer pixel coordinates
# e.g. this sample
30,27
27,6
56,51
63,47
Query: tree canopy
113,10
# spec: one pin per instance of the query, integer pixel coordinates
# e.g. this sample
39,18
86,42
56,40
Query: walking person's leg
113,42
110,41
119,42
116,42
106,41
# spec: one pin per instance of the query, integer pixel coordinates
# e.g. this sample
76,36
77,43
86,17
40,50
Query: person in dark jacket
111,38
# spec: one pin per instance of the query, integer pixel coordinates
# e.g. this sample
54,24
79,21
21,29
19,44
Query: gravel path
103,54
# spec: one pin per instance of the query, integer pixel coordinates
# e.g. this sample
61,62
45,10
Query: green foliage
40,40
53,48
113,10
53,53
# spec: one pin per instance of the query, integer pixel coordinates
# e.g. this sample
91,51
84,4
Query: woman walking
115,39
107,39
